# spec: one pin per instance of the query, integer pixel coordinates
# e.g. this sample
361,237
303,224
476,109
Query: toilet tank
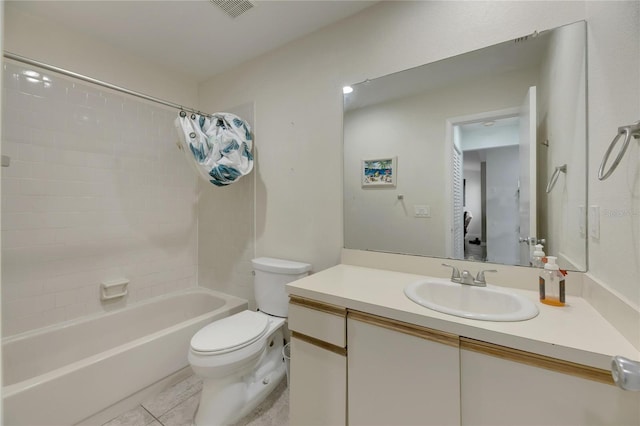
271,276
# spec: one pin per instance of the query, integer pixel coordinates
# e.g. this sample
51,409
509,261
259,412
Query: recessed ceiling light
347,89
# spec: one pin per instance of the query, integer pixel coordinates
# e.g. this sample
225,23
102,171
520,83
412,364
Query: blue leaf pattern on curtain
219,146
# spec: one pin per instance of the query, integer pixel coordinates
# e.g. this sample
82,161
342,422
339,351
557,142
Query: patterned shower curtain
219,146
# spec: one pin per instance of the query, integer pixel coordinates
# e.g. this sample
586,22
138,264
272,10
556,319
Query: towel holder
628,132
554,177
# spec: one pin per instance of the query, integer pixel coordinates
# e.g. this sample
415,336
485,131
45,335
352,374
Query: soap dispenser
538,255
552,283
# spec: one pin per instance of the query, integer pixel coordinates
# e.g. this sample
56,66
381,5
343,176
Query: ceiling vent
234,8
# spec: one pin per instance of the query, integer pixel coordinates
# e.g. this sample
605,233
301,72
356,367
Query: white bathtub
63,374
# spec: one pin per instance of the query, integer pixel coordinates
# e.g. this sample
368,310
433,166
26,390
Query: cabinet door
318,385
400,374
498,391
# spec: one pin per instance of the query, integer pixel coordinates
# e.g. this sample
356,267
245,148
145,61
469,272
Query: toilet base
226,400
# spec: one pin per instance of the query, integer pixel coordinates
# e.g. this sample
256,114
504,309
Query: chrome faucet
466,278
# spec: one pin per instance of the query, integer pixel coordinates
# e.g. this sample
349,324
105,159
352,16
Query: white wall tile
95,191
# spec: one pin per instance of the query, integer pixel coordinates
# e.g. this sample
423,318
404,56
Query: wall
298,100
48,42
297,93
96,189
491,136
1,73
614,84
299,108
563,128
226,233
413,129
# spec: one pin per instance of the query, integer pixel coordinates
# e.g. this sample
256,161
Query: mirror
479,156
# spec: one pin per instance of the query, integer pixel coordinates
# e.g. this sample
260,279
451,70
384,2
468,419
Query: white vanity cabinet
318,369
356,368
503,386
400,374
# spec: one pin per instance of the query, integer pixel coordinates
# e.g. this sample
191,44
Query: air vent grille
234,8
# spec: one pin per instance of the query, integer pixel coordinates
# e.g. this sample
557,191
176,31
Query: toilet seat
230,334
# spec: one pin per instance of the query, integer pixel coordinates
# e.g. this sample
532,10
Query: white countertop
575,332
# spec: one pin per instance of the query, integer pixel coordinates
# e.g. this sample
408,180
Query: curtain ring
193,116
183,114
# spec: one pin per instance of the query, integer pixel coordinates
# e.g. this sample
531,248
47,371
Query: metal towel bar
628,131
554,177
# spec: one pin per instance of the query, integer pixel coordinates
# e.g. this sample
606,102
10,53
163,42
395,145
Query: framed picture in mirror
379,172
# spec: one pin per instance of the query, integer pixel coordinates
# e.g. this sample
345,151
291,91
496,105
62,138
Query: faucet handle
455,272
480,277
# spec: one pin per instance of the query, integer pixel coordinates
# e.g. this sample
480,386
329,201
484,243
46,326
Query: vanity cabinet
503,386
318,369
400,374
352,367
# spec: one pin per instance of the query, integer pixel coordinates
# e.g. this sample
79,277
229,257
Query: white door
527,202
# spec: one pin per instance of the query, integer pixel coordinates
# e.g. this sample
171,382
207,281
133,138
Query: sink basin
480,303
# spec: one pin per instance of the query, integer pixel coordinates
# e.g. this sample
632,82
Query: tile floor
176,406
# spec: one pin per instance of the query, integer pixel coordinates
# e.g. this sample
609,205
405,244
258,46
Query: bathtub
63,374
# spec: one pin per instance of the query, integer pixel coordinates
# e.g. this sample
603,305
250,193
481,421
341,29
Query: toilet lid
231,333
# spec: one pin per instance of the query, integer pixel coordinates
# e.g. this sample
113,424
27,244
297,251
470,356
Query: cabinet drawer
320,321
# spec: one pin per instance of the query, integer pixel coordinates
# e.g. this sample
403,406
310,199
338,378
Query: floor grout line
176,405
151,414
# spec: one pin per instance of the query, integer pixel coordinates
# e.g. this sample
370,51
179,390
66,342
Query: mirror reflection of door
528,177
494,160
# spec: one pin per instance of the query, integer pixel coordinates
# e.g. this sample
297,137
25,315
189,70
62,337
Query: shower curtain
219,146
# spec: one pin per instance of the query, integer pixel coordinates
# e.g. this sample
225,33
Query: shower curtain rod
68,73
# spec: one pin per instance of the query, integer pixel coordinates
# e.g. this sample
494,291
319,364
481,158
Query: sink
480,303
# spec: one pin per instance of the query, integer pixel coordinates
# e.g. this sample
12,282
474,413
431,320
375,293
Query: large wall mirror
479,156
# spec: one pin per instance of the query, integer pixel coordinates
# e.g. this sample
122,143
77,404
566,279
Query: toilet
240,357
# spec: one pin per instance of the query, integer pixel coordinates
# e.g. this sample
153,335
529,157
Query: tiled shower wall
96,190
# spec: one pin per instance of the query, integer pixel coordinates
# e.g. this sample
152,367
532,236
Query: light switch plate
421,211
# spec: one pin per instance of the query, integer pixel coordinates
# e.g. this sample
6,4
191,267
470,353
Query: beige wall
299,113
226,234
562,96
297,93
298,108
614,83
96,189
48,42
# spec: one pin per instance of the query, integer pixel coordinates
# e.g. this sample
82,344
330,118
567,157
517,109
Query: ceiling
193,37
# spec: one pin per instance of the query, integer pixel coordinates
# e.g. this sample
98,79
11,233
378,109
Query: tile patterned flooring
176,406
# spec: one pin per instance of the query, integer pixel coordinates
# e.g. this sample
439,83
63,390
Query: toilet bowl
240,357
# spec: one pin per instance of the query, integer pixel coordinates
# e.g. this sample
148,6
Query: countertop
575,332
